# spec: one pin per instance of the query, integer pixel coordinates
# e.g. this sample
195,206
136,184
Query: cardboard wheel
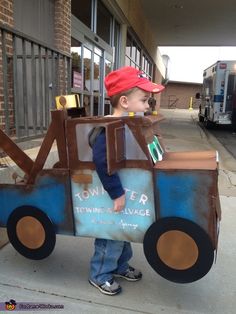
31,232
178,249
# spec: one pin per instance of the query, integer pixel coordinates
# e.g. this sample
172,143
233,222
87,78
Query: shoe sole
127,278
104,291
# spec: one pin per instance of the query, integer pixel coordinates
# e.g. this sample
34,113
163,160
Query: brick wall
62,25
178,94
6,12
62,30
6,18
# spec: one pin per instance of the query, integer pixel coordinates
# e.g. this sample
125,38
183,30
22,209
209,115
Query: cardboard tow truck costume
172,203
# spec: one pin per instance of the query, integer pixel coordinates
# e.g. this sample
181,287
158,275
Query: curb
227,162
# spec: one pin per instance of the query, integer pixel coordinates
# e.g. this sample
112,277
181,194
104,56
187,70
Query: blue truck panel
50,193
185,194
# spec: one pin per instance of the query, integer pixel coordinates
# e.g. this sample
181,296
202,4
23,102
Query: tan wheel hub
177,249
30,232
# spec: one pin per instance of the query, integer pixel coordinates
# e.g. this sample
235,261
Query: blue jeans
109,257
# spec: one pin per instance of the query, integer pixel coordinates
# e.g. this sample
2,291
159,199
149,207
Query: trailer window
231,88
207,87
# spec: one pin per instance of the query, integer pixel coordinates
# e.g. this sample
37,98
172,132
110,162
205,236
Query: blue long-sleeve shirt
111,183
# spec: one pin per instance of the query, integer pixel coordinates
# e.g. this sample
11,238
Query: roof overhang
191,22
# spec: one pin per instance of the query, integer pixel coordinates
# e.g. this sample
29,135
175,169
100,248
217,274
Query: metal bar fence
32,69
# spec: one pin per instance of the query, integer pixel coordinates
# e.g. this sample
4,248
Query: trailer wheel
31,232
208,124
200,115
178,249
200,118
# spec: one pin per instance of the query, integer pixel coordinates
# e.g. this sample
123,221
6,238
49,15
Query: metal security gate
32,75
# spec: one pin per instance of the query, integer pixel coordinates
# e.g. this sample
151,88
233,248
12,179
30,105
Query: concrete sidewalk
62,277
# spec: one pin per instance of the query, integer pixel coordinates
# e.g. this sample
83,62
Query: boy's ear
124,102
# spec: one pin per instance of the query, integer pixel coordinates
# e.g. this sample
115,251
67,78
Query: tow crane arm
31,168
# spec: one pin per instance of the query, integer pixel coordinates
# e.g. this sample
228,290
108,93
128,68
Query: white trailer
219,84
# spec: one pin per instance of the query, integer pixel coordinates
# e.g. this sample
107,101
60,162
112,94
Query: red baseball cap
126,78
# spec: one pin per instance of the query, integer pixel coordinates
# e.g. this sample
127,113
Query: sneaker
109,287
131,274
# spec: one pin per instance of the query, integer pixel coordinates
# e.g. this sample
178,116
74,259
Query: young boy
129,91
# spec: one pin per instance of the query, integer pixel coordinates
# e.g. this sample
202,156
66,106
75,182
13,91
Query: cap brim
151,87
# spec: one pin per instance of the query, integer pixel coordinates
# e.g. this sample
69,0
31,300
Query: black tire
200,118
199,266
31,232
208,124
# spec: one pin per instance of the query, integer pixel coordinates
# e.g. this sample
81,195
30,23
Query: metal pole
191,103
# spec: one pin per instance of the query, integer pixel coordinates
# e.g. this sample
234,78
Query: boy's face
137,101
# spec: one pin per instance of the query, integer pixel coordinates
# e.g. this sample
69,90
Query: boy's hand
119,203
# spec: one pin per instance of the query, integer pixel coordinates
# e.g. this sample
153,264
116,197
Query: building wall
62,25
6,12
134,14
62,39
6,18
48,22
35,18
158,97
136,19
178,94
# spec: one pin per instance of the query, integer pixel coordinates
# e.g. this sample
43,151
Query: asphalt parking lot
225,136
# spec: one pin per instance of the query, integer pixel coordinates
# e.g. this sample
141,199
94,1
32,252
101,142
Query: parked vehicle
219,84
172,203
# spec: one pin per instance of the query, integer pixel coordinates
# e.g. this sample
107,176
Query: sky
188,63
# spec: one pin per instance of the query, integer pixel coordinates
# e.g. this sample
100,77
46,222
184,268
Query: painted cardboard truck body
172,203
